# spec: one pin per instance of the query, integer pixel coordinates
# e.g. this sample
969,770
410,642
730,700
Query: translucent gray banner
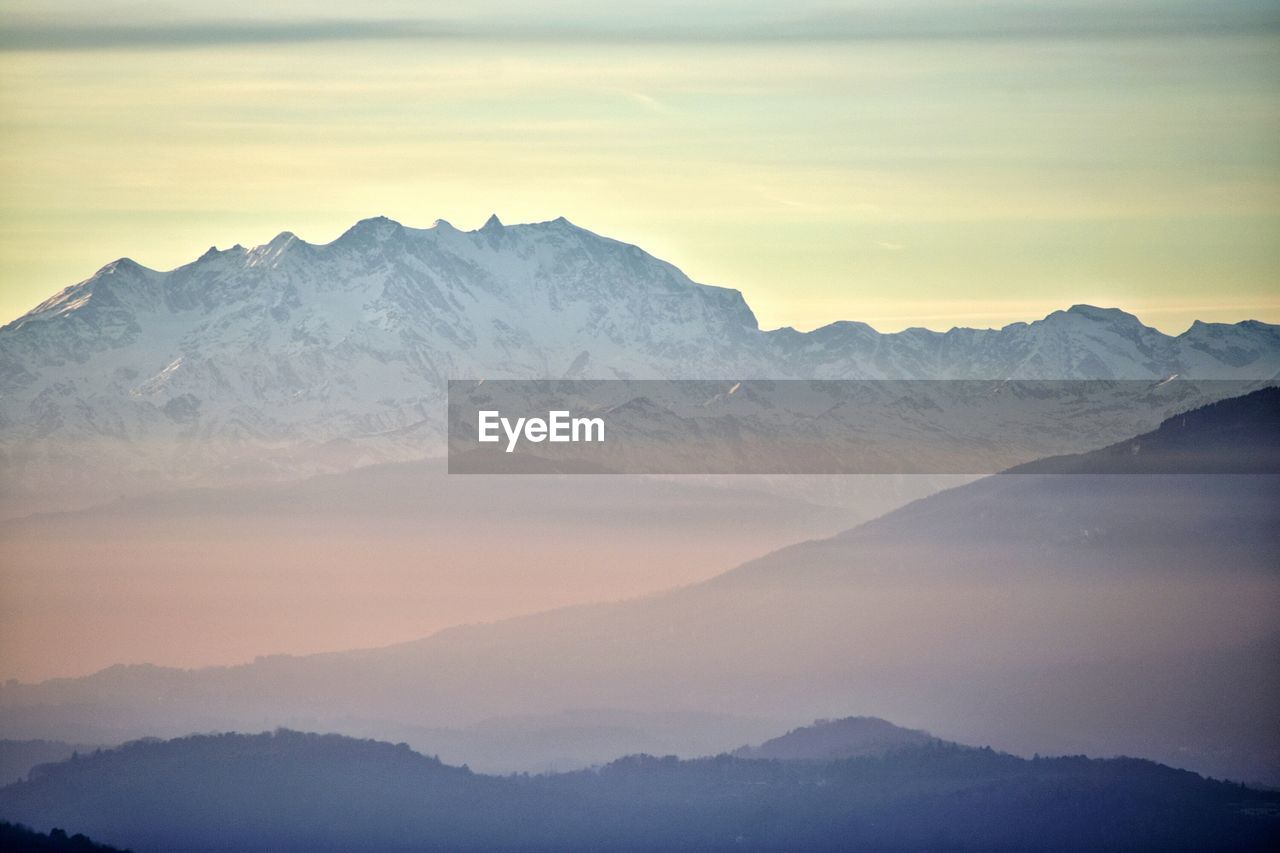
856,426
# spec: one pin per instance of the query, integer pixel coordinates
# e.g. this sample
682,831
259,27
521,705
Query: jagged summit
122,265
394,236
375,229
383,228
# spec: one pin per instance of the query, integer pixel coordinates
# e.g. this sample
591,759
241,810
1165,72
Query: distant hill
21,839
17,757
222,792
830,740
293,791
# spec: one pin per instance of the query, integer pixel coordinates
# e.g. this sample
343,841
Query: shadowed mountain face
829,740
1239,436
249,365
1114,510
291,791
1089,612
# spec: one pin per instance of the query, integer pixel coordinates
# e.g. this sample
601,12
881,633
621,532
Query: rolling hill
293,791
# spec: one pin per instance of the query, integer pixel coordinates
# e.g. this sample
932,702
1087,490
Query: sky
908,163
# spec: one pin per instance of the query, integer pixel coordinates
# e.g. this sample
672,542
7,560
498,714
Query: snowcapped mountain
293,357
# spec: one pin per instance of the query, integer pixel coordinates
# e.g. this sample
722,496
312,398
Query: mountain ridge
383,226
293,790
291,358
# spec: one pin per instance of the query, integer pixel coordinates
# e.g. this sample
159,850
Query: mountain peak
1106,315
828,740
271,252
842,328
122,265
377,229
493,223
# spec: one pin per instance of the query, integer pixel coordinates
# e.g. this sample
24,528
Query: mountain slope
288,791
1137,505
1105,613
289,358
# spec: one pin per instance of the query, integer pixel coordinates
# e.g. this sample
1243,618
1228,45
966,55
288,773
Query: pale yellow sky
975,173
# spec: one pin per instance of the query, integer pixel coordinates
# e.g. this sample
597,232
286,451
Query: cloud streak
36,36
918,21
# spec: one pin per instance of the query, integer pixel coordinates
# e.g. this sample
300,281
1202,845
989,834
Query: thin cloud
647,101
52,37
1073,19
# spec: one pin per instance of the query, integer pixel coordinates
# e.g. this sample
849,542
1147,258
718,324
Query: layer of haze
897,163
371,557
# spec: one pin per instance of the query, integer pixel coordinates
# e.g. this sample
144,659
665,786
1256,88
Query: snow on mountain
1082,342
293,357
